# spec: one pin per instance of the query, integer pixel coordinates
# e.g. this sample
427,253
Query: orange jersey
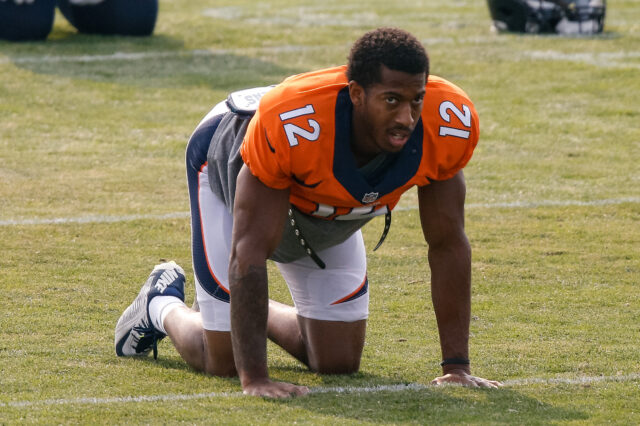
299,138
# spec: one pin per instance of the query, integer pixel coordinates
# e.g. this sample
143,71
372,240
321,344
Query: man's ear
356,93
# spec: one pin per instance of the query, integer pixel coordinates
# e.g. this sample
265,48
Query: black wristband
460,361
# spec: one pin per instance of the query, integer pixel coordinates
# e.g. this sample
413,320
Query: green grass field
93,193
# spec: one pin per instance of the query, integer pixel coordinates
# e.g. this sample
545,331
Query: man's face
388,111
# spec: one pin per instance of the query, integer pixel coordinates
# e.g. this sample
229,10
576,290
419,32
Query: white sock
160,307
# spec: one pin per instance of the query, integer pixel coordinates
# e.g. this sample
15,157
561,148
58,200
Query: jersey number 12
293,131
464,116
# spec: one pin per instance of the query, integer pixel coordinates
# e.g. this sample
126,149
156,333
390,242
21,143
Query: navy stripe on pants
196,158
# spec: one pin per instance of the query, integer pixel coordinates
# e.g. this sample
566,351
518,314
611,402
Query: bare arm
442,219
258,220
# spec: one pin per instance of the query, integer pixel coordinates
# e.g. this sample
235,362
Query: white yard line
549,203
600,60
181,215
619,59
318,390
93,219
162,54
118,56
140,56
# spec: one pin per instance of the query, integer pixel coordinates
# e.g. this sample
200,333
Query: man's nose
404,116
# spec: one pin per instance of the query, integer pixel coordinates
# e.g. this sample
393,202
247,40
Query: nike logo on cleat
165,280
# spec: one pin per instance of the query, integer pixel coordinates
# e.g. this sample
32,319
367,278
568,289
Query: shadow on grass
167,363
435,405
345,397
280,371
159,61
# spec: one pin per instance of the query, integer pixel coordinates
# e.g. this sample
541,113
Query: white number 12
464,116
292,131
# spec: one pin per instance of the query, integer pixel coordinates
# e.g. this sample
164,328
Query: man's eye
418,100
391,100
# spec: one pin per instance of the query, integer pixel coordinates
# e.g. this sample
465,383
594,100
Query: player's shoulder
304,105
450,128
318,86
438,89
444,99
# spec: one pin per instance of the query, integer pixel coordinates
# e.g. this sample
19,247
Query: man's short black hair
394,48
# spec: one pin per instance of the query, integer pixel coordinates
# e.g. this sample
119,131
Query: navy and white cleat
135,334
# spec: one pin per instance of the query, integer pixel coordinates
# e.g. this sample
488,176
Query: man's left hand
461,377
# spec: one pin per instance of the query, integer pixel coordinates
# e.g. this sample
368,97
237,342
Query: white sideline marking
139,56
549,203
620,59
543,203
318,390
118,56
93,219
181,215
159,54
601,60
575,381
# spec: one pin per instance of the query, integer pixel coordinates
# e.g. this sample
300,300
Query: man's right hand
258,221
270,389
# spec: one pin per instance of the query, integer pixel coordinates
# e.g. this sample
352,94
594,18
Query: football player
291,173
566,17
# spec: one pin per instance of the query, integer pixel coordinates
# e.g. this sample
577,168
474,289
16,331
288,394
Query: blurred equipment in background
120,17
548,16
22,20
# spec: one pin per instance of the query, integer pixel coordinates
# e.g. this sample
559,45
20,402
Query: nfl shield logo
370,197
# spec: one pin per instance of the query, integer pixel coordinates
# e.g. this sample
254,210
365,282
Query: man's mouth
399,137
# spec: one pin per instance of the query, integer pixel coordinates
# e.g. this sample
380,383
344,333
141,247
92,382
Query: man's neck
361,144
362,158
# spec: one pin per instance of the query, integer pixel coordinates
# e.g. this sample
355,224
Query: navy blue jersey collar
399,172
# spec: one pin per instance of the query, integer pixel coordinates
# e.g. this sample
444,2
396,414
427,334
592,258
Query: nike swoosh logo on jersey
308,185
271,148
